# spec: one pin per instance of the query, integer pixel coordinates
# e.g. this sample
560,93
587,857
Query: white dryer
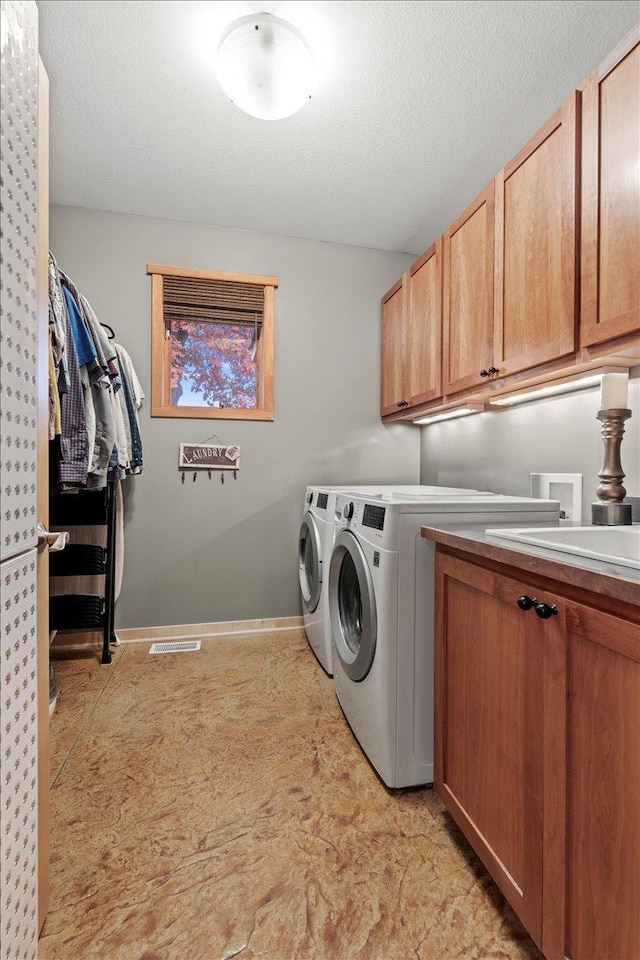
315,542
380,597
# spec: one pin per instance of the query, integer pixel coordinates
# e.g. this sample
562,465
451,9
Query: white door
20,413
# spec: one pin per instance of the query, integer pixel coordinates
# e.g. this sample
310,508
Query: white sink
619,545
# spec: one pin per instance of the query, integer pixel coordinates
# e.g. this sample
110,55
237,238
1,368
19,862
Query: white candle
614,394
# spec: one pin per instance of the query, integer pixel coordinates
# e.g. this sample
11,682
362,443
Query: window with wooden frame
212,344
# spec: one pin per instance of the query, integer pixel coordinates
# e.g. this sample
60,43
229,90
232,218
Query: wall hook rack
209,455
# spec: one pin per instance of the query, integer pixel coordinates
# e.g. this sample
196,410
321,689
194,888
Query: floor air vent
183,647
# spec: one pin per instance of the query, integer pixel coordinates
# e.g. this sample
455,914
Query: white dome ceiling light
265,66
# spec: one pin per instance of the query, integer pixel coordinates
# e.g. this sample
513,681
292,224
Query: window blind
216,301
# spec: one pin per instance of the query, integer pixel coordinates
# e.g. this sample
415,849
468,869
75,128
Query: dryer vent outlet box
564,487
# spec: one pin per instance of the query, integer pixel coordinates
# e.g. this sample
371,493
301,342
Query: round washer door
309,563
352,606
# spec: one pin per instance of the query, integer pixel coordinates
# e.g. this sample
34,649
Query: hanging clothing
90,412
55,425
85,349
94,398
105,436
56,312
129,370
95,387
104,346
120,414
128,376
73,464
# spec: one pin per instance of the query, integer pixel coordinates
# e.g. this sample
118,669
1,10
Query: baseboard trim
224,628
85,641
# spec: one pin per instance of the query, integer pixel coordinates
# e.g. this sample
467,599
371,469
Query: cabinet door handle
526,603
492,370
484,373
403,403
546,610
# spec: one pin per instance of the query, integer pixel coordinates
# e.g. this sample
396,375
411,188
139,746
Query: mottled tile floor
214,805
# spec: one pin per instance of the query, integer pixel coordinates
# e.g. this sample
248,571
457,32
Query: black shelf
86,508
74,611
78,559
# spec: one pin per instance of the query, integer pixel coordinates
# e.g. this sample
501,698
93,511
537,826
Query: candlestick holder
609,509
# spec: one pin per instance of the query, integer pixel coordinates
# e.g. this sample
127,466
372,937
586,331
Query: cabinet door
610,296
424,327
392,350
536,248
603,787
491,736
468,295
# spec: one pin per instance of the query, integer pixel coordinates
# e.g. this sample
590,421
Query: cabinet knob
492,370
403,403
525,603
546,610
484,373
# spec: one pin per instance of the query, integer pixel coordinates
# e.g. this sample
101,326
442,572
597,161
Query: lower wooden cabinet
537,758
602,878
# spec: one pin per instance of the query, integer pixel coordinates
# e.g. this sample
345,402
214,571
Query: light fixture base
610,514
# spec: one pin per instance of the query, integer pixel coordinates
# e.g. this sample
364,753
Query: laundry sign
206,456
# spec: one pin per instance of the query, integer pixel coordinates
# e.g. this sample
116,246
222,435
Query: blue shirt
82,341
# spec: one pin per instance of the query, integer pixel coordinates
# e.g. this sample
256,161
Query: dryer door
309,562
352,606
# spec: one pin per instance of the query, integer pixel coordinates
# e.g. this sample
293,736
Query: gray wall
497,450
203,551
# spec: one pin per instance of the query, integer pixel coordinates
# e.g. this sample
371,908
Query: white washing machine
315,542
380,597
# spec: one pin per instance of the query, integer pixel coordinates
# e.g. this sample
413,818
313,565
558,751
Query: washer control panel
373,516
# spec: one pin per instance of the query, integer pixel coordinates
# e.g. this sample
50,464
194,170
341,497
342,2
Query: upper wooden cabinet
468,295
424,327
536,248
392,349
539,277
512,304
610,296
411,335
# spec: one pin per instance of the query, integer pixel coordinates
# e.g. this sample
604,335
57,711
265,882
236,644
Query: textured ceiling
418,105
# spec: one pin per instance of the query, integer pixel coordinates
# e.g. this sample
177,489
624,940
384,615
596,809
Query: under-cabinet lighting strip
568,385
451,414
550,390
